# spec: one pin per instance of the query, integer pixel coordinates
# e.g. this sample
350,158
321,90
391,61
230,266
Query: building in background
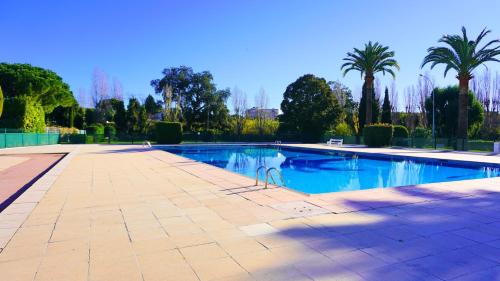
268,113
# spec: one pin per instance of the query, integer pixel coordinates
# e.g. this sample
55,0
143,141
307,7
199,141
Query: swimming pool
318,171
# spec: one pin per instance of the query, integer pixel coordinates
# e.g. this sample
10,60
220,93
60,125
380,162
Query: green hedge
421,132
400,131
23,113
378,135
168,132
95,129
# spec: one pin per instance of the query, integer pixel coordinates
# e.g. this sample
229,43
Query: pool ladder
268,175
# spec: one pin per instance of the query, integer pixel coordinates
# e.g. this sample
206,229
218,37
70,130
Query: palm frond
462,54
373,58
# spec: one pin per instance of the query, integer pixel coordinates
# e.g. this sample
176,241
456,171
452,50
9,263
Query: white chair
146,144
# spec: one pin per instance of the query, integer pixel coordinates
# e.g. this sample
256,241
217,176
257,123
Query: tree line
311,105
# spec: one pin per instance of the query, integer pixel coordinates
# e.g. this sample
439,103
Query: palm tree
463,56
374,58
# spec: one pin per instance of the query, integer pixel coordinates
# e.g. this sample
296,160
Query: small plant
378,135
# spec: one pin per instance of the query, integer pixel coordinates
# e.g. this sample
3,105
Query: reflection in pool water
312,171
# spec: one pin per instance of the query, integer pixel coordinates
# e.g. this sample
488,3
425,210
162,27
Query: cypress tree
362,109
386,109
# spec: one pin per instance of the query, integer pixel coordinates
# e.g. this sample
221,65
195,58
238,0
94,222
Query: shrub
421,132
251,127
342,129
109,130
377,135
400,131
168,132
95,129
64,130
23,113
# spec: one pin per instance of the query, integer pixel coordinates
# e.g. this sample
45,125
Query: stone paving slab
129,213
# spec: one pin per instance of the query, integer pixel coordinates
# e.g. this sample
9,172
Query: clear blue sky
249,44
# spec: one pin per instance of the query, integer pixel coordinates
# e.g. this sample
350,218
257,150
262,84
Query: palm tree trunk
463,103
369,95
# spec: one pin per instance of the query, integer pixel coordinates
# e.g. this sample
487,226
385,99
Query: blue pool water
312,171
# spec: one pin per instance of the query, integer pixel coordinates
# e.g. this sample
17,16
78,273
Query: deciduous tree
310,107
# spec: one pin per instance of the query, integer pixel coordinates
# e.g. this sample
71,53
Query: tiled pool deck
128,213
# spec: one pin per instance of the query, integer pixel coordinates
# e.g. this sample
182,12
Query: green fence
445,143
104,139
428,143
27,139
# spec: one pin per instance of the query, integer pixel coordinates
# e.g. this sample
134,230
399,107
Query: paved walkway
125,213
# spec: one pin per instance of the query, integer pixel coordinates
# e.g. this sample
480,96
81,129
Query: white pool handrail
146,144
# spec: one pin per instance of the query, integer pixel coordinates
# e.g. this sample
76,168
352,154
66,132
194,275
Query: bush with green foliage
168,132
421,132
23,113
378,135
95,129
251,127
400,131
342,129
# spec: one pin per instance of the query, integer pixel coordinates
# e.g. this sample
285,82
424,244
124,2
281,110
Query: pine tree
386,109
